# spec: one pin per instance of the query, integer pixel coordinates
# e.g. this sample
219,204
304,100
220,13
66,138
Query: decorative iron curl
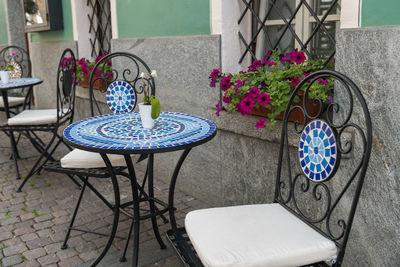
305,187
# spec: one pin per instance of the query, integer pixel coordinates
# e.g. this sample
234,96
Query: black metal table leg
172,185
136,211
151,202
11,135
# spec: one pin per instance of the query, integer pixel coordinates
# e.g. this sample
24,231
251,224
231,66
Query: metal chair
29,122
125,78
19,58
316,193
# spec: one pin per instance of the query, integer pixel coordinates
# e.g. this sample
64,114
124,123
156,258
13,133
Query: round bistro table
4,88
123,134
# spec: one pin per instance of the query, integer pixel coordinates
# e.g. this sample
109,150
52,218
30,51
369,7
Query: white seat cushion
78,158
255,236
34,117
12,101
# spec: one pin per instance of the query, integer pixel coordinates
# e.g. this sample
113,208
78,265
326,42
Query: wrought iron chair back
66,77
19,58
323,190
119,69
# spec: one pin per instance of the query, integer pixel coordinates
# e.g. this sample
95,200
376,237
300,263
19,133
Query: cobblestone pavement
33,223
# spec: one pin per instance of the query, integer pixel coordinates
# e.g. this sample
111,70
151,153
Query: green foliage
9,67
277,77
7,214
36,213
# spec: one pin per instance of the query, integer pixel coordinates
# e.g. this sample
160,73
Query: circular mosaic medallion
17,72
317,151
121,97
125,132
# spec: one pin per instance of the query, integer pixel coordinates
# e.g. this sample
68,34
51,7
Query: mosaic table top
20,82
318,151
123,133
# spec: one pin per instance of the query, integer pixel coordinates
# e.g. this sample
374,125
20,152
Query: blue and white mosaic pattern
21,82
317,151
120,97
124,131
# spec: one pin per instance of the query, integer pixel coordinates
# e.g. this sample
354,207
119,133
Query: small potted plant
150,107
5,73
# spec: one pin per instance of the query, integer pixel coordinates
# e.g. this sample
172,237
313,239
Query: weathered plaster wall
369,58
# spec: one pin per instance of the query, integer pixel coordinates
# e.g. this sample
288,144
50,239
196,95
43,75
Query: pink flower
298,57
109,74
247,104
226,83
98,58
263,99
270,63
254,91
84,65
239,84
287,57
330,99
219,108
213,82
322,81
255,65
260,123
14,54
215,73
295,81
85,72
109,63
226,99
267,55
80,61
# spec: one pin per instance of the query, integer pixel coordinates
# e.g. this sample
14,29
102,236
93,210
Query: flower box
99,84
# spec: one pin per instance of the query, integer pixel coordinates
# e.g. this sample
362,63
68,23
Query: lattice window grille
100,27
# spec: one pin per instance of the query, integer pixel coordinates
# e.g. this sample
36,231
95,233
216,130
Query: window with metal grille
100,27
306,25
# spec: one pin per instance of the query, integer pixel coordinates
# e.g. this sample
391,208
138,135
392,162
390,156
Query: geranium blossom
295,81
226,83
263,99
247,104
260,123
215,73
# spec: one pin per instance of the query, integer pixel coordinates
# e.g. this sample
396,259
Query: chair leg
34,168
71,224
14,153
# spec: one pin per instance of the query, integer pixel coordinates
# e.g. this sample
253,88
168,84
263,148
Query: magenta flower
213,82
80,61
85,72
14,54
109,63
219,108
322,81
330,99
109,74
239,84
267,55
254,91
215,73
226,99
84,65
98,58
260,123
226,83
247,104
298,57
295,81
255,65
287,57
263,99
270,63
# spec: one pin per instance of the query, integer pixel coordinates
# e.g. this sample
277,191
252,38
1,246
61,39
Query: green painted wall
56,36
3,24
380,13
146,18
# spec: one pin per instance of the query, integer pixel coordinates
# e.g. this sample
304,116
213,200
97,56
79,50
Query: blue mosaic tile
120,97
125,131
21,82
317,151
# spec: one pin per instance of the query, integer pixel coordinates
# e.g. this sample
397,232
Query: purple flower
84,65
109,63
260,123
298,57
270,63
226,99
14,54
98,58
322,81
267,55
85,72
239,84
226,83
219,108
263,99
247,104
295,81
254,91
109,74
215,73
212,82
330,99
255,65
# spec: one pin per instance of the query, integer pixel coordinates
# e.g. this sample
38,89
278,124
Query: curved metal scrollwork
66,82
118,66
317,202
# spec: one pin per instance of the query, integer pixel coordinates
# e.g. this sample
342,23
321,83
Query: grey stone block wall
45,58
370,58
15,25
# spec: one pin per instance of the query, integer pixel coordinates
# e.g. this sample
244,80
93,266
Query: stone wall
45,58
370,58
